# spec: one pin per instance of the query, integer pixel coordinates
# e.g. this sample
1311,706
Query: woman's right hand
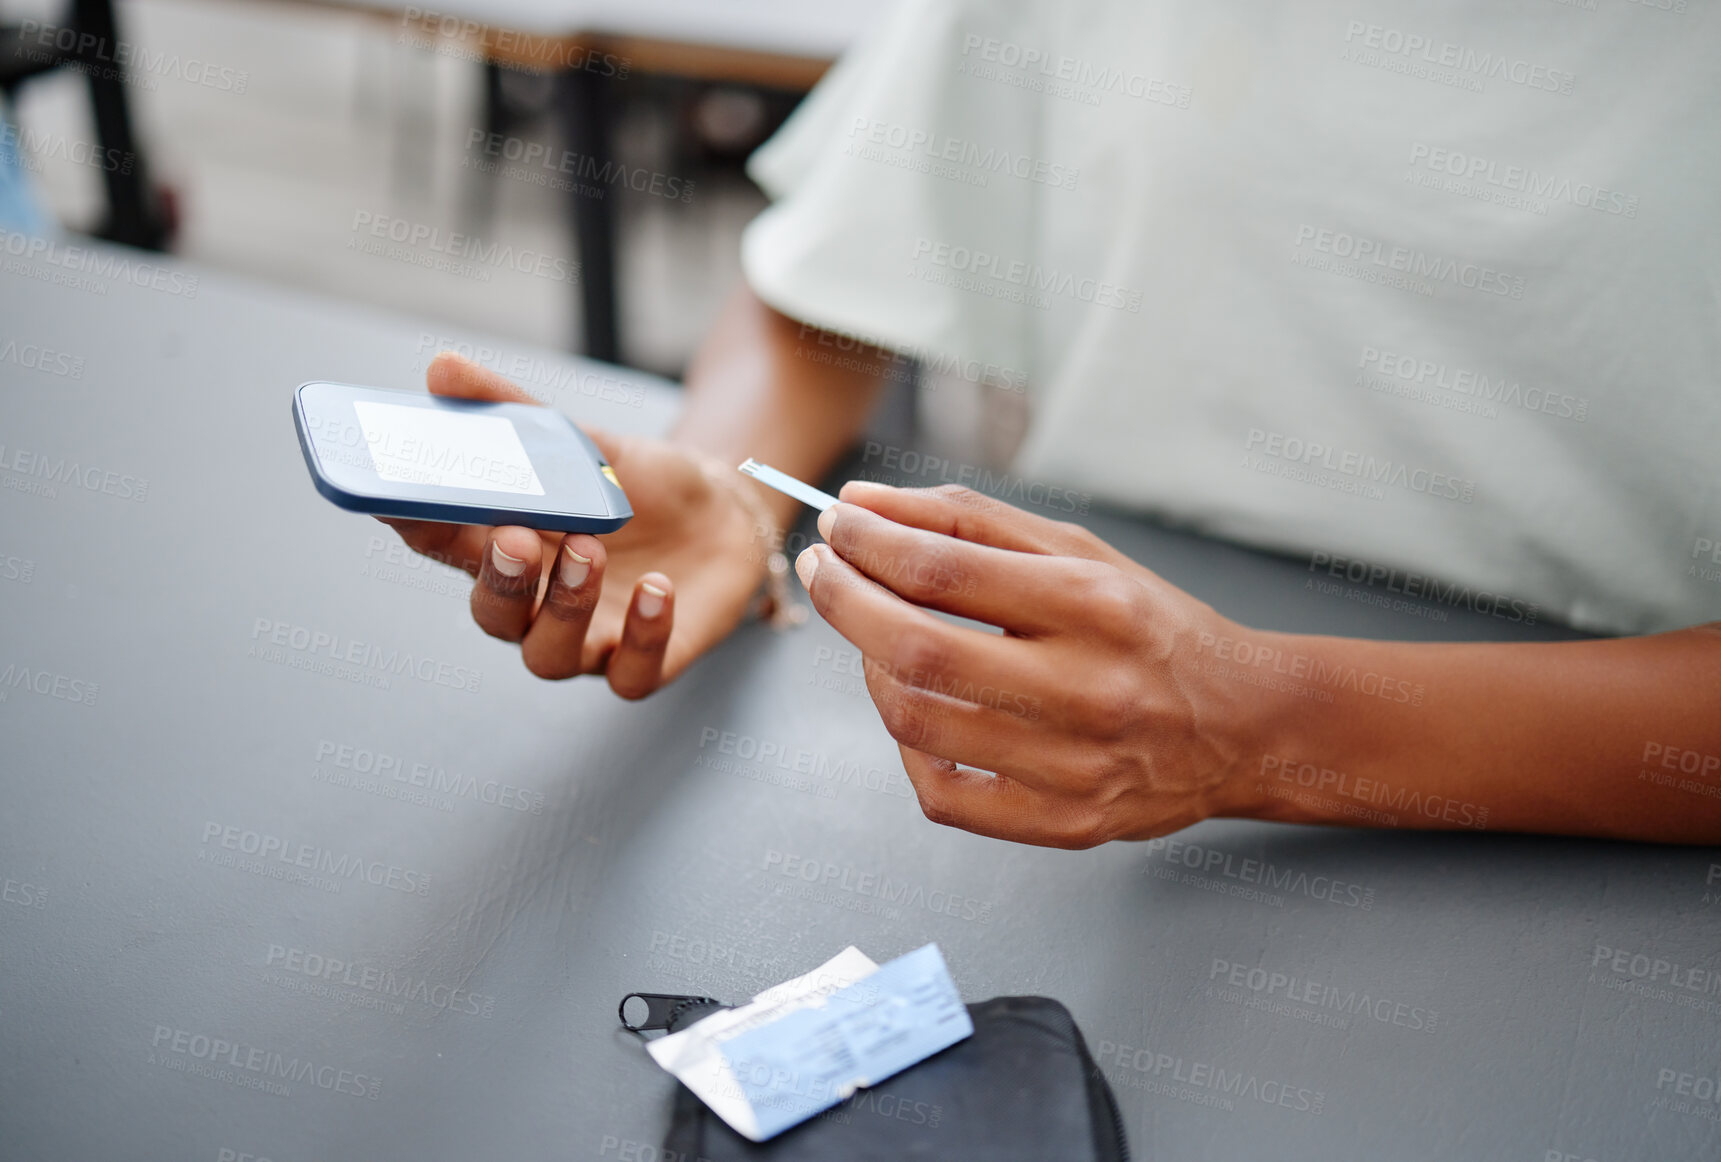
636,605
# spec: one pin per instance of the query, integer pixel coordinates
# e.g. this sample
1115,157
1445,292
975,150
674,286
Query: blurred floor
338,119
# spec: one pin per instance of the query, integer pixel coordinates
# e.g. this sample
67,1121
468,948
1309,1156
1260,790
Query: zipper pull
661,1009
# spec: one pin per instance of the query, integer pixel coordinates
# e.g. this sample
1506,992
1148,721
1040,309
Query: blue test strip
813,1058
788,485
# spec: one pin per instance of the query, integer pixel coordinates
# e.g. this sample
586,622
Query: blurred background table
298,84
771,42
593,45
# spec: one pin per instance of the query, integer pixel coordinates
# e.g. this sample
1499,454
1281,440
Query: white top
1438,294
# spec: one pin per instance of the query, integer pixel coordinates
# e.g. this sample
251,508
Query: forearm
758,387
1618,738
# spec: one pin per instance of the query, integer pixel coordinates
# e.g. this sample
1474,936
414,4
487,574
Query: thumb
454,375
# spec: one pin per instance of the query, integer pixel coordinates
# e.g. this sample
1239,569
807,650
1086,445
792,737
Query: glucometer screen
445,449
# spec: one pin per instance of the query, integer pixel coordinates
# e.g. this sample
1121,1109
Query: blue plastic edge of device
465,514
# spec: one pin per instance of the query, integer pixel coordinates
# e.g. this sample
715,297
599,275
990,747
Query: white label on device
413,445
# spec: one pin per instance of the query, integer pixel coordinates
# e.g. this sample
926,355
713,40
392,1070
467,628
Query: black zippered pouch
1022,1088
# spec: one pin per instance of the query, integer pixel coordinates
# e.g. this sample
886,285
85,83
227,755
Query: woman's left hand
1091,710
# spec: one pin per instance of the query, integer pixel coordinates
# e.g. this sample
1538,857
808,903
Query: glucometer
427,457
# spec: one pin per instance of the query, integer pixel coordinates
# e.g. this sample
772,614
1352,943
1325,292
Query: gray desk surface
542,849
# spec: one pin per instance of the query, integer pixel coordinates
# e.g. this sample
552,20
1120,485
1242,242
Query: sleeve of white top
837,248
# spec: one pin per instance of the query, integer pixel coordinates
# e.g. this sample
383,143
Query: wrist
1310,713
773,512
1259,685
765,553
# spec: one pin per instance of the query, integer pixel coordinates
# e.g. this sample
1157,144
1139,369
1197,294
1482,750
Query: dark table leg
585,102
134,216
481,186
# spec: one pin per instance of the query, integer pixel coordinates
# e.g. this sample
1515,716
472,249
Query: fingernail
827,522
650,600
575,568
506,565
806,565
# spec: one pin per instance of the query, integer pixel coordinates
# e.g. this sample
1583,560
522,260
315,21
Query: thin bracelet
774,605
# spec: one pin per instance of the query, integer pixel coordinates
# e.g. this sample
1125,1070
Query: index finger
1030,594
461,546
968,515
